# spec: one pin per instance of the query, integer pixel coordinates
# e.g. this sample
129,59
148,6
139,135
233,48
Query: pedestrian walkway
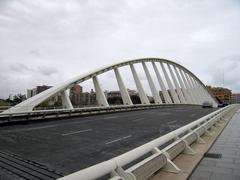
222,162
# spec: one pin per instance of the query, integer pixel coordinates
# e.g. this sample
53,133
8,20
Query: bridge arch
183,86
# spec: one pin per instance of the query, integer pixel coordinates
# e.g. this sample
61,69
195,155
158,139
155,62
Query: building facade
235,98
223,94
54,101
32,92
75,94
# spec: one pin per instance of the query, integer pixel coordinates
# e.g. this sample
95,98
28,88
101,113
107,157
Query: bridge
183,86
128,141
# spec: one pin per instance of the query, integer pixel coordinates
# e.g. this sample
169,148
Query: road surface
69,145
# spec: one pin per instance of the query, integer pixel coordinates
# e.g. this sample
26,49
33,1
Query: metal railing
158,154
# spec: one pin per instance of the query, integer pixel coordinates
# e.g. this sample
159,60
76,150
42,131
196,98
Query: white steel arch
188,88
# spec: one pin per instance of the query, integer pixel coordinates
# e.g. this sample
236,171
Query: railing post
143,97
179,91
154,91
101,98
123,90
172,90
163,88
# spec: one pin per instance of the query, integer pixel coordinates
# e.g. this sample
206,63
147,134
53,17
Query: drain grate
213,155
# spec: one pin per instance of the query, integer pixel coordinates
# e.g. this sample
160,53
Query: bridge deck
72,144
223,159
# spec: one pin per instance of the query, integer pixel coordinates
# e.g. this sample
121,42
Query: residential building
54,101
113,94
42,88
88,98
32,92
75,94
235,99
223,94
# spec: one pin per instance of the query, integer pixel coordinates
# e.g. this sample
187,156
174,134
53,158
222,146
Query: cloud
34,52
62,39
226,72
19,67
47,71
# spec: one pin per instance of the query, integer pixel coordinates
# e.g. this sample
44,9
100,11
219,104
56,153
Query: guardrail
158,154
66,113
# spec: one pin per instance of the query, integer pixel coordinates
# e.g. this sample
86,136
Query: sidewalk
222,162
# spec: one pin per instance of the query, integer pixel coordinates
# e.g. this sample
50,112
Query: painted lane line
116,140
76,132
139,119
193,115
111,117
171,122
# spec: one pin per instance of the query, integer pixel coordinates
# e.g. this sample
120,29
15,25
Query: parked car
207,104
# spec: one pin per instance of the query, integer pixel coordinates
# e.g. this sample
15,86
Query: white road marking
45,127
193,115
111,117
171,122
116,140
76,132
139,119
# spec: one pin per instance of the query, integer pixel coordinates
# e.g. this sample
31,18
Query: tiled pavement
227,145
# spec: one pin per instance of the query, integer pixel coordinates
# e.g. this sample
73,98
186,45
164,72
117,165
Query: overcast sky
50,41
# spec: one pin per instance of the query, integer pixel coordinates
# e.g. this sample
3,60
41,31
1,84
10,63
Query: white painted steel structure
156,157
183,86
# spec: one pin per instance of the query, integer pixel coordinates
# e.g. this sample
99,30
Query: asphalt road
72,144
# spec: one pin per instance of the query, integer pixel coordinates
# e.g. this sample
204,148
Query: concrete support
101,98
196,98
143,97
199,89
184,89
123,90
195,87
208,97
195,91
204,93
171,88
163,88
189,91
154,91
179,91
66,103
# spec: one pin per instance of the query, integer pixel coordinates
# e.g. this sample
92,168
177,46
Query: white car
207,104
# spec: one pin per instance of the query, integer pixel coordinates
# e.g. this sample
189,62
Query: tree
18,98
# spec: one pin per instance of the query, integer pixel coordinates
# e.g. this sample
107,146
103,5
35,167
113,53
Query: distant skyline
48,42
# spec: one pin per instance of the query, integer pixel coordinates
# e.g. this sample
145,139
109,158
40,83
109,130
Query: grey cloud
34,52
61,39
19,67
226,72
47,71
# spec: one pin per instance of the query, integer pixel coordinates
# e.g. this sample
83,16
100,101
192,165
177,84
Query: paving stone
197,178
214,169
229,165
224,177
202,174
